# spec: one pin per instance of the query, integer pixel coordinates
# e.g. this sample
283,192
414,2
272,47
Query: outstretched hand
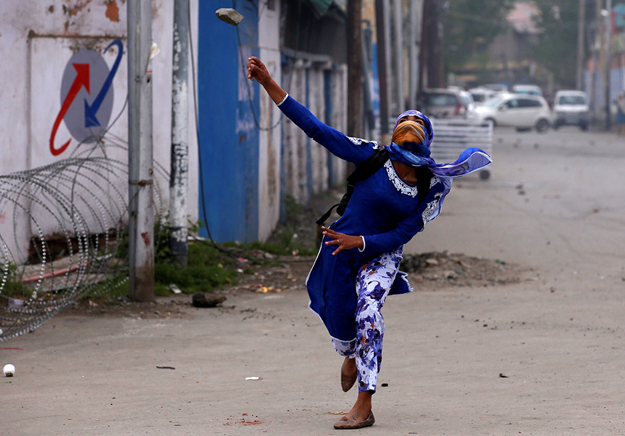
344,242
257,70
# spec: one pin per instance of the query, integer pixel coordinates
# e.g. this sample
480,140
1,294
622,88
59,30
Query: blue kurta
383,209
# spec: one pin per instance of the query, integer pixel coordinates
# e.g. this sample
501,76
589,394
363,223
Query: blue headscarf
418,155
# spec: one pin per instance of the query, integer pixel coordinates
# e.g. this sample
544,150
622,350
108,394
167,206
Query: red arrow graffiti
82,79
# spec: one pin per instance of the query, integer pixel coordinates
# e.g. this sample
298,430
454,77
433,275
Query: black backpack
362,172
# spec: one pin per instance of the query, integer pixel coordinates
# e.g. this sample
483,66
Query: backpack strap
362,172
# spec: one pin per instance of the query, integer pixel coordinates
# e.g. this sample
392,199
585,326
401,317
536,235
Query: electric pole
382,76
599,61
581,22
608,61
416,9
400,104
354,67
140,171
179,174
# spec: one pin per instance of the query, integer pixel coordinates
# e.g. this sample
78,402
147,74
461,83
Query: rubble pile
459,270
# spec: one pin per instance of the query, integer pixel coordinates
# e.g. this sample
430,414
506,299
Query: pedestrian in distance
358,262
620,114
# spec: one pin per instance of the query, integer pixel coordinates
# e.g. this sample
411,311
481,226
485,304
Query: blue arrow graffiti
92,110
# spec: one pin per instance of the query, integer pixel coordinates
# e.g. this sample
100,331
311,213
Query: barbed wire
63,232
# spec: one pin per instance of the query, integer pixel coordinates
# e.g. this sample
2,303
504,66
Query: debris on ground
436,268
204,299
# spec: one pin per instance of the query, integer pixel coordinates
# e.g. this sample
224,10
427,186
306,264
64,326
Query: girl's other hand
344,242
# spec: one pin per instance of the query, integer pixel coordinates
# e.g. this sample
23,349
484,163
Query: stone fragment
229,15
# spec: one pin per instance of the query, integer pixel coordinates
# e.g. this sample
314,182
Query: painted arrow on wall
91,110
82,79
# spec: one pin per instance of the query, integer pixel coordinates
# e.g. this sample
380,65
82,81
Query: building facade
65,66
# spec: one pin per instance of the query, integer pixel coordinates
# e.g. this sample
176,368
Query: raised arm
336,142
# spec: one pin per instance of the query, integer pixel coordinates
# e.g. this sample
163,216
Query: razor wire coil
62,228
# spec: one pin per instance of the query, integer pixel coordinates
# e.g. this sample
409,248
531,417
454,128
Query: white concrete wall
295,159
295,141
339,117
37,39
270,136
319,164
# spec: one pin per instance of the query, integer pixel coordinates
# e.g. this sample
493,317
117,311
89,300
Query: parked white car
571,108
516,110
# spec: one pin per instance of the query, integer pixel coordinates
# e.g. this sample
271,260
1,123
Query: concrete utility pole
430,35
179,174
354,67
140,172
400,103
382,76
581,22
608,61
389,58
416,8
599,60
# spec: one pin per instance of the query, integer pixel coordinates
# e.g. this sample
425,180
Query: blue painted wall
228,133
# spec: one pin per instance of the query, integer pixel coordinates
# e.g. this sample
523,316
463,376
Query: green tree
557,49
471,25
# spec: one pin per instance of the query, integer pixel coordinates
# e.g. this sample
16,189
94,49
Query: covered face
409,131
410,136
417,116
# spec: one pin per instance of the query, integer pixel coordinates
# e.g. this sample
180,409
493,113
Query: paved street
542,357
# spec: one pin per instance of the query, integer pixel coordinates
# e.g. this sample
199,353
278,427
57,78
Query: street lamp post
607,15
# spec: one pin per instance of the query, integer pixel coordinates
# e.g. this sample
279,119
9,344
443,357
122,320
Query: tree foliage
471,25
557,50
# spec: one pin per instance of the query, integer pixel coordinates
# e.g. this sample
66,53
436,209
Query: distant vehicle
497,87
571,108
443,103
481,94
516,110
469,104
527,89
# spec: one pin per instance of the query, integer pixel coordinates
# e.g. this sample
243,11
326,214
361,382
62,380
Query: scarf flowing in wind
418,155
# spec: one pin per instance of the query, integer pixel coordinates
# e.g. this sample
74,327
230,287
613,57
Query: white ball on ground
8,370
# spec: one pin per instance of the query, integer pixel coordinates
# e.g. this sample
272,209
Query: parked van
571,108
